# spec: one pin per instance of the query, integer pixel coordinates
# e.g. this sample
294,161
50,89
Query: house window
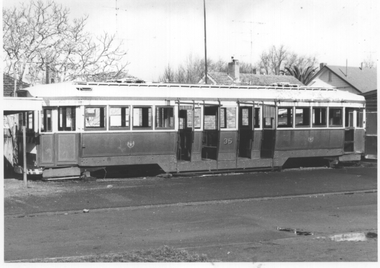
165,117
46,120
285,117
66,118
142,117
95,118
228,117
119,117
335,117
319,117
303,117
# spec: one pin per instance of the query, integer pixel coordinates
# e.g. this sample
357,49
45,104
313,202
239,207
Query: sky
158,33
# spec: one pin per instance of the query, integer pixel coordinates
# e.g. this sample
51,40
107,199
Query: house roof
8,85
221,78
362,79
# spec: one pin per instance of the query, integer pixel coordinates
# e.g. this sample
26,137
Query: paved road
153,212
154,191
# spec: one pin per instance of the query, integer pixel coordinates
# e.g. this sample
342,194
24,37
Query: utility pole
204,20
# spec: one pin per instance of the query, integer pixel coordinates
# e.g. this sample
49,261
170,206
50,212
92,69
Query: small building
358,80
371,129
233,76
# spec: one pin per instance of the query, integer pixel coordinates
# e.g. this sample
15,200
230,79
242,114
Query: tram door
245,132
269,132
185,135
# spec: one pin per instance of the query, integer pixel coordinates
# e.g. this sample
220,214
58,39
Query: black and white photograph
207,133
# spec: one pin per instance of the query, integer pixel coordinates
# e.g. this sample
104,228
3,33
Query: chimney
254,71
361,65
322,64
233,69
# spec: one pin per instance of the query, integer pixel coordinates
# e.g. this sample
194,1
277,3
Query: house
9,85
358,80
234,77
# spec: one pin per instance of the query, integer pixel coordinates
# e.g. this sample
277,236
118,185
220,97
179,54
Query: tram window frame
360,118
47,121
210,118
304,115
102,117
288,117
125,118
333,117
165,117
256,118
349,118
63,118
30,121
189,116
146,119
321,119
226,121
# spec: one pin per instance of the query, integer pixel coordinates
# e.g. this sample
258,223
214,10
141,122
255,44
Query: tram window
94,118
335,117
228,117
257,118
30,121
349,119
319,117
165,117
359,118
303,117
186,117
142,117
285,117
119,117
46,121
210,117
66,118
269,113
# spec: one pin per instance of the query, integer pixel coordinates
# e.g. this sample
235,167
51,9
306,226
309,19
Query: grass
162,254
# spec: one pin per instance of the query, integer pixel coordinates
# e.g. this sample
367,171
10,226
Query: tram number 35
227,141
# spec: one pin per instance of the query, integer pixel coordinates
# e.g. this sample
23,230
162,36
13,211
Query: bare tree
276,59
38,36
273,60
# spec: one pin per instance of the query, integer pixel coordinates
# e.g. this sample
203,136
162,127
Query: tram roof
79,90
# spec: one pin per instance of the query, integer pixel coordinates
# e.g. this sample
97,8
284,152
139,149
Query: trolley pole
25,170
204,20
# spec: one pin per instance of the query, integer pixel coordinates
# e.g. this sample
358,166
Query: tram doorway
185,136
210,139
269,132
245,132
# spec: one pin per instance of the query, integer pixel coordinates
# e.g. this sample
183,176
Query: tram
188,128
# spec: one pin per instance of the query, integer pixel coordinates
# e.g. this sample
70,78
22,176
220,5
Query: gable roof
362,79
8,85
221,78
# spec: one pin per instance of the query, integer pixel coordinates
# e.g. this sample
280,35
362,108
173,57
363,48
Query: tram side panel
112,149
309,143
